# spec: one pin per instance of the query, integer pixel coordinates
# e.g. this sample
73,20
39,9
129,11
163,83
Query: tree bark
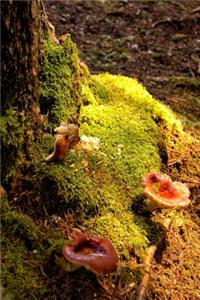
20,53
21,23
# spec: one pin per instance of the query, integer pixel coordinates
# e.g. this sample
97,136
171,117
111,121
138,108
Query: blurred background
158,42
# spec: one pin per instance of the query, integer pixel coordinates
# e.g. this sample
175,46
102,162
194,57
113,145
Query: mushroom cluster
67,136
94,253
163,193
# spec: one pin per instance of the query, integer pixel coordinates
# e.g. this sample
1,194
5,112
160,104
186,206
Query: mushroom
67,136
3,192
163,193
95,253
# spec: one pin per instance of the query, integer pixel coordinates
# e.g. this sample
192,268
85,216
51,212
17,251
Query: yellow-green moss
60,89
25,251
122,230
131,126
99,187
129,123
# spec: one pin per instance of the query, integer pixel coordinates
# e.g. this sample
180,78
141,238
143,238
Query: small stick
141,291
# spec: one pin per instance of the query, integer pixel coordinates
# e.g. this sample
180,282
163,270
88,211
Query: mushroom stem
61,147
67,136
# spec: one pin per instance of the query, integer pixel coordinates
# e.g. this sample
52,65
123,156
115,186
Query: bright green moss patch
127,121
101,185
122,88
123,231
60,89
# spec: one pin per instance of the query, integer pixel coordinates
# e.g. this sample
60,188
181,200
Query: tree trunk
20,84
20,53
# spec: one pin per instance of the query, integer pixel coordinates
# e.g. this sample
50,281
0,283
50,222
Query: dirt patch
143,39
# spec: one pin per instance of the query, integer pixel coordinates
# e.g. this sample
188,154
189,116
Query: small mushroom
94,253
3,192
67,136
163,193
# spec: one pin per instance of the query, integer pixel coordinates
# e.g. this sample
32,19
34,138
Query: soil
157,42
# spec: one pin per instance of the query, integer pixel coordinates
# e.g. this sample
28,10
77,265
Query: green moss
129,123
128,90
25,251
11,132
122,230
98,187
60,89
13,128
65,185
20,238
131,126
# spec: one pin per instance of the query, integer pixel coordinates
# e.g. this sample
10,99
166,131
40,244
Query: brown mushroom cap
95,253
164,193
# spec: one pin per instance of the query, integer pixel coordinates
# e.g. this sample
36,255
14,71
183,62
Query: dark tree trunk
21,22
20,53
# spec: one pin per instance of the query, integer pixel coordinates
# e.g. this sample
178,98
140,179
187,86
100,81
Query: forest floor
158,43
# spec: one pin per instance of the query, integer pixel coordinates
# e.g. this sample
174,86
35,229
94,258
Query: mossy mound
133,129
92,188
101,185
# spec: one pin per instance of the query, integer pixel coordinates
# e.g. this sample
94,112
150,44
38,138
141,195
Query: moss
122,230
12,137
20,238
60,89
11,132
131,126
65,186
132,92
26,251
99,187
124,117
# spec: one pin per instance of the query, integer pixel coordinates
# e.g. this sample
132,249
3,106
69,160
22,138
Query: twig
196,10
141,291
128,289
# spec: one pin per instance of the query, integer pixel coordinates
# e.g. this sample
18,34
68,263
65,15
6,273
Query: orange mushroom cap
164,193
95,253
